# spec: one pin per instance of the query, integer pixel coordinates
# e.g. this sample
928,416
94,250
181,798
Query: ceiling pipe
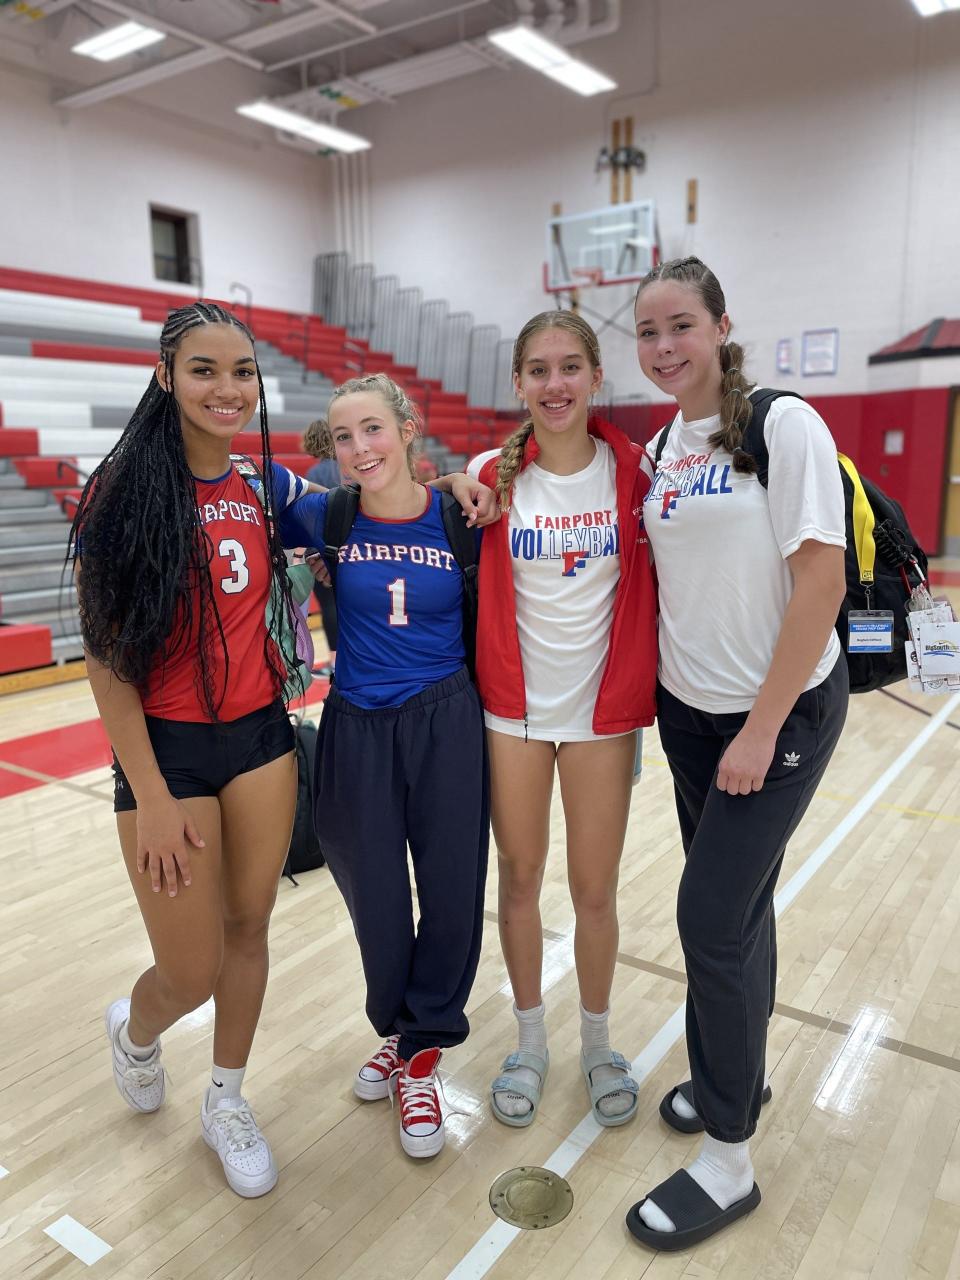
319,54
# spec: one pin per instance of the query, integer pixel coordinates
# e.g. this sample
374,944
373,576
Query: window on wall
174,240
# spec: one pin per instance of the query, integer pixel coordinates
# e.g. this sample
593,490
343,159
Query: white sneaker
230,1129
374,1079
140,1081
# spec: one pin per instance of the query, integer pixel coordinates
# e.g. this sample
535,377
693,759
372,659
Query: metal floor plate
531,1198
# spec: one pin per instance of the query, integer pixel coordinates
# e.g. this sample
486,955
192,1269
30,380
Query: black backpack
343,503
884,561
305,853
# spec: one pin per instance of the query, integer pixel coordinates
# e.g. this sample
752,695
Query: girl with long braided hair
176,554
566,664
751,699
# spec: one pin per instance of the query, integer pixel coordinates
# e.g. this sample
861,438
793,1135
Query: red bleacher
18,442
323,348
86,351
24,645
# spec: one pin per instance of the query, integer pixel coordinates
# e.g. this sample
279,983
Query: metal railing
442,345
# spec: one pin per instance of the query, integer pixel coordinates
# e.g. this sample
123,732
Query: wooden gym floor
858,1155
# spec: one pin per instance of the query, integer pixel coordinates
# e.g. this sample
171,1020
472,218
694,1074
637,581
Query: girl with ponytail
566,661
176,554
751,699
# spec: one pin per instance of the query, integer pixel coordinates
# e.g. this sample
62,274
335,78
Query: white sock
595,1034
724,1171
139,1051
225,1082
532,1039
684,1110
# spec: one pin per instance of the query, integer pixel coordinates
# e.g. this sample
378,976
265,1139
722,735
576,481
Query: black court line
803,1016
905,702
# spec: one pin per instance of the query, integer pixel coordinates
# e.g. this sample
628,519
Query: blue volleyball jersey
399,600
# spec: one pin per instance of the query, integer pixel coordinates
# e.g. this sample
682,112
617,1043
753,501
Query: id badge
871,631
939,648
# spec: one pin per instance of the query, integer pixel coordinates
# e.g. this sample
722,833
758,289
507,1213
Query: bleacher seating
75,358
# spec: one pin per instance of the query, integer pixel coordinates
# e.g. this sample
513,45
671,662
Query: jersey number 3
240,574
398,602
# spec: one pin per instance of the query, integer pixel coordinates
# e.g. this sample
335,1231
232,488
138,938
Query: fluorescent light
581,78
928,8
551,59
326,135
118,41
529,47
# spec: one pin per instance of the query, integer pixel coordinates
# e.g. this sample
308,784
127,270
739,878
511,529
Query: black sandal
695,1214
685,1090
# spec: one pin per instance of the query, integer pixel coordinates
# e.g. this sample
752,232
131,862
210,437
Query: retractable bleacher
75,357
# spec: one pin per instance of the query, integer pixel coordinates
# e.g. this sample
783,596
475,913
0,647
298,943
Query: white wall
77,186
825,136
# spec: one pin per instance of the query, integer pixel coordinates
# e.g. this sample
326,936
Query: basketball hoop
589,275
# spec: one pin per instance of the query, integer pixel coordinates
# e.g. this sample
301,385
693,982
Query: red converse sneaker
372,1081
421,1120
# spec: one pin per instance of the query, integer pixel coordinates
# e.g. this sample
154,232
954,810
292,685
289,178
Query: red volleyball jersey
233,519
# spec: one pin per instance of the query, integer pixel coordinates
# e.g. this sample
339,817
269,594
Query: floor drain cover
531,1198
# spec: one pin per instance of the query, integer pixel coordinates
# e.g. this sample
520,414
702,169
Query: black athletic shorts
199,759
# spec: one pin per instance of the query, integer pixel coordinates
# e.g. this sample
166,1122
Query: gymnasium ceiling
322,57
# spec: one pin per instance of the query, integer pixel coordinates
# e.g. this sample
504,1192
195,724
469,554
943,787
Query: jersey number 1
398,602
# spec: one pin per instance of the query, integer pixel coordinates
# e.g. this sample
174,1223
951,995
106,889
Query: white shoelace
420,1101
142,1077
386,1057
142,1072
238,1124
418,1098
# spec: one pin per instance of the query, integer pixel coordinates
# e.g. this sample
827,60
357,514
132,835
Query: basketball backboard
613,245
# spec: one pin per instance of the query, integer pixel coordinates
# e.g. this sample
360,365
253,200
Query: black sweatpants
734,847
414,774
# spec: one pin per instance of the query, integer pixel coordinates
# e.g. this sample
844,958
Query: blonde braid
735,407
511,460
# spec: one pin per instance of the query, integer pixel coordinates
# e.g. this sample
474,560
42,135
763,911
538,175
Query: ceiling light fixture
325,135
551,60
118,41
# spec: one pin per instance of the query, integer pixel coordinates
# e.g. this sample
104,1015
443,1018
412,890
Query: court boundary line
491,1246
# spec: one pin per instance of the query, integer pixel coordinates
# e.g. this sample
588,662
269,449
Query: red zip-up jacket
626,698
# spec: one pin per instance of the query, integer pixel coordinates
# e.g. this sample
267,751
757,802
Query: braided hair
511,455
735,407
143,550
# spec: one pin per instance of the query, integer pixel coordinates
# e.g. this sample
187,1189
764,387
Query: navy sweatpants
734,847
414,774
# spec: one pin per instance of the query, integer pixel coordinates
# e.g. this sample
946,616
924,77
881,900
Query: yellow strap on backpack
863,522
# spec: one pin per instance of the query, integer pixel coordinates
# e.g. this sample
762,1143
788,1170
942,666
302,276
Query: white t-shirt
720,544
565,548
